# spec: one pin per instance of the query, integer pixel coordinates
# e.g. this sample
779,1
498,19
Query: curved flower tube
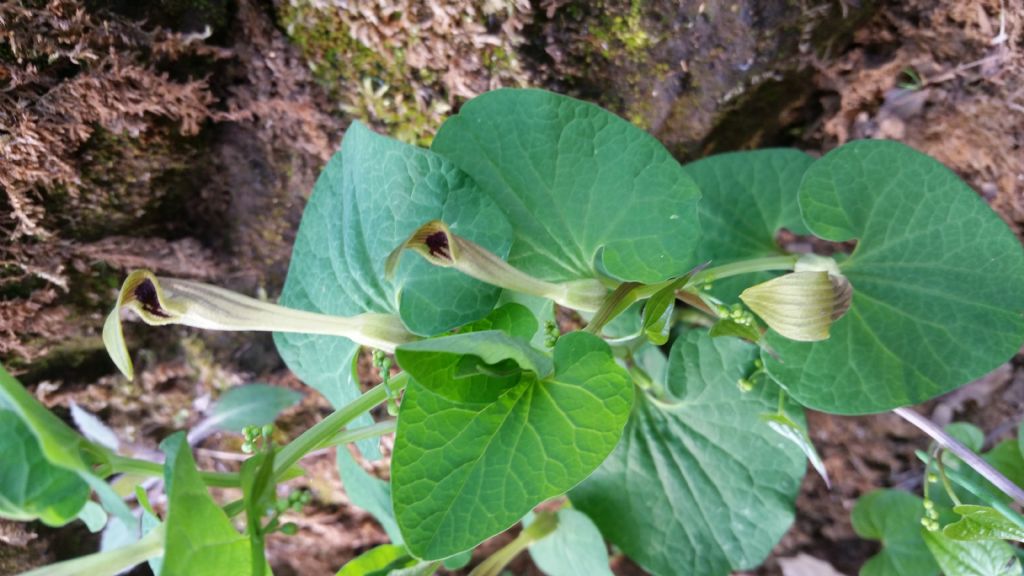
161,301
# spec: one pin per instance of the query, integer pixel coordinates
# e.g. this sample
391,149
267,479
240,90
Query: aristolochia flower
161,301
439,246
802,305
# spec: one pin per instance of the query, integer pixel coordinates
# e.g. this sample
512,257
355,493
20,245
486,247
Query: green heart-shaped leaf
746,198
698,484
894,518
200,538
61,445
982,523
463,472
360,210
512,318
581,185
472,367
30,486
934,268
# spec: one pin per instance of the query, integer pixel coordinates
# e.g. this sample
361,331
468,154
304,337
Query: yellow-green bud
801,305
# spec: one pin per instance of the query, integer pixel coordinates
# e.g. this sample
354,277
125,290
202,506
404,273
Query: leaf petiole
126,465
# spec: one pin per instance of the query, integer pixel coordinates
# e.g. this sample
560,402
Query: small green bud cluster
551,333
737,313
383,364
294,502
746,384
931,517
253,434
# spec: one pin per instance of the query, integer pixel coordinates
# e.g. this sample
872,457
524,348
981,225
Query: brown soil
185,136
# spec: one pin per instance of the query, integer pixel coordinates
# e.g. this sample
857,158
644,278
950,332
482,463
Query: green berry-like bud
745,384
291,529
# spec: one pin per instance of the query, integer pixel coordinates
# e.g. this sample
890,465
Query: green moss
624,31
375,88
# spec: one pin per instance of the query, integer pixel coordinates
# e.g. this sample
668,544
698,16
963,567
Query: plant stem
110,562
325,430
969,457
980,491
125,465
765,264
356,434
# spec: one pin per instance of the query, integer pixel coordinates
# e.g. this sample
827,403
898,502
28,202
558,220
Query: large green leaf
463,472
936,275
580,183
360,210
200,538
746,198
894,518
698,484
60,444
30,486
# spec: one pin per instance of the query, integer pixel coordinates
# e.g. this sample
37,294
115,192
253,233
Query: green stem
765,264
125,465
944,477
362,433
544,524
978,490
110,562
329,432
324,431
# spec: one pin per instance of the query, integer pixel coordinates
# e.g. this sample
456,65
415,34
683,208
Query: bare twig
965,454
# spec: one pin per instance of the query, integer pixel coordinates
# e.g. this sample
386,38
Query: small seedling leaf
575,548
982,523
975,558
894,518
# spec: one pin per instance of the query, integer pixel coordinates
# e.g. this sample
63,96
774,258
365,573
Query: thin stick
966,455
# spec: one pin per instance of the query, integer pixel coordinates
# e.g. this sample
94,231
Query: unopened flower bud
801,305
